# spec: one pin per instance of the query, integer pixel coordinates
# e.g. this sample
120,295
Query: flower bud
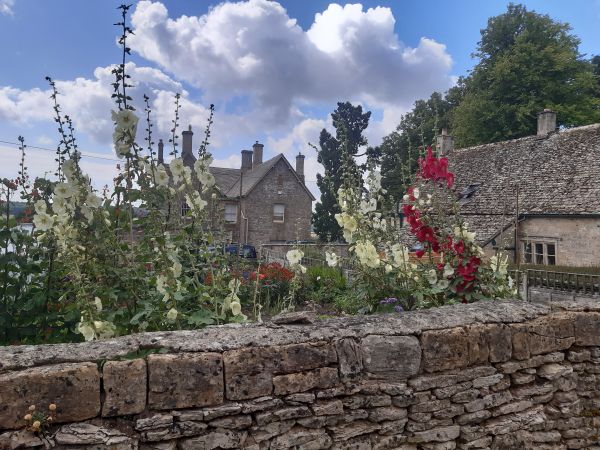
36,425
27,417
32,408
52,407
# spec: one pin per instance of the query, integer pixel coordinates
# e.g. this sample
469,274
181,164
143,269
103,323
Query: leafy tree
401,148
527,62
349,122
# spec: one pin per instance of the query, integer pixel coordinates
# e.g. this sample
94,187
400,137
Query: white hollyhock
294,256
172,315
332,259
43,221
367,254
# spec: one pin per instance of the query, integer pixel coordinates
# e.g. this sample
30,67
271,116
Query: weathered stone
489,401
249,371
402,401
387,413
216,439
86,434
392,426
345,432
350,357
391,357
513,422
512,408
394,388
487,381
474,417
260,404
445,349
449,412
532,390
304,397
168,445
366,401
154,422
578,356
185,380
266,432
387,442
436,435
328,408
357,443
483,442
74,388
512,366
449,391
302,437
522,378
175,431
294,317
465,396
13,440
553,371
124,385
232,422
282,414
220,411
550,334
587,328
322,378
426,382
430,406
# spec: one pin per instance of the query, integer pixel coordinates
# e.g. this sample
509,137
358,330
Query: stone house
536,197
261,202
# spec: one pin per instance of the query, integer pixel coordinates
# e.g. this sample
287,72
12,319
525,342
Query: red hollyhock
435,169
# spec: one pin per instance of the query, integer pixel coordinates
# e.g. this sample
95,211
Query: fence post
525,285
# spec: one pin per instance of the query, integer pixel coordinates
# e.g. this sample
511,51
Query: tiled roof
228,180
555,174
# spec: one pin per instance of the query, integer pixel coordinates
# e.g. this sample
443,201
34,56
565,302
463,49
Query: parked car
243,251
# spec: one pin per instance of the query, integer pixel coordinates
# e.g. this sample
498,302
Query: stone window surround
278,216
533,241
227,215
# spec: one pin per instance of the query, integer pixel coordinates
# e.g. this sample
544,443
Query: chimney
161,150
257,155
186,145
300,166
444,143
246,160
546,122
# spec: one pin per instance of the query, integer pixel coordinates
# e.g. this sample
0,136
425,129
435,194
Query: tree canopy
349,122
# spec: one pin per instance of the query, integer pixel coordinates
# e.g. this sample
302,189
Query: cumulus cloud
255,49
6,7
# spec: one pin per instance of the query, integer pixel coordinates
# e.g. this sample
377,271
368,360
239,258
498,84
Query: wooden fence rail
588,284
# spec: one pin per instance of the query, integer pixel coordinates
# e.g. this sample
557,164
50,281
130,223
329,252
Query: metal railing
583,283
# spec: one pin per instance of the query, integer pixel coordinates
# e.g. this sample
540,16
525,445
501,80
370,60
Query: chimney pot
186,142
246,160
444,143
257,157
300,166
546,122
161,149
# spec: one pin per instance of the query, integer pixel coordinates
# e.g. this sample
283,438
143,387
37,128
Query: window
279,184
278,213
185,209
230,213
539,252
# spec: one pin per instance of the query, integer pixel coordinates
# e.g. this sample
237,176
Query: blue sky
271,80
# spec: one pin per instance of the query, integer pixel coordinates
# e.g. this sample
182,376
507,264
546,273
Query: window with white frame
278,213
230,215
539,252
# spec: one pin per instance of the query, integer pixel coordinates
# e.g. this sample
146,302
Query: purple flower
398,309
388,300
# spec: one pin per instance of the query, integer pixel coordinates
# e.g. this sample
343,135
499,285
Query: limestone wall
501,375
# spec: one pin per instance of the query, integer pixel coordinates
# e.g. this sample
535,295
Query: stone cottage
261,202
536,197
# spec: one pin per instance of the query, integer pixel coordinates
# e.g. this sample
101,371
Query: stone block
445,349
249,371
385,413
298,437
328,408
224,439
88,434
348,431
185,380
441,434
391,357
551,333
322,378
587,328
124,387
74,388
350,356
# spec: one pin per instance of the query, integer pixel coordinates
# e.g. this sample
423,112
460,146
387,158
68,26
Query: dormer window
468,192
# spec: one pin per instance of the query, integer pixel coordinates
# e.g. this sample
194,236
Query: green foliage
528,62
349,122
323,277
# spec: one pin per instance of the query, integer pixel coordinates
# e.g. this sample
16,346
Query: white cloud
6,7
255,49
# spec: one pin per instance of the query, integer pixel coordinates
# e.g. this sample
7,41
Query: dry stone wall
496,375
